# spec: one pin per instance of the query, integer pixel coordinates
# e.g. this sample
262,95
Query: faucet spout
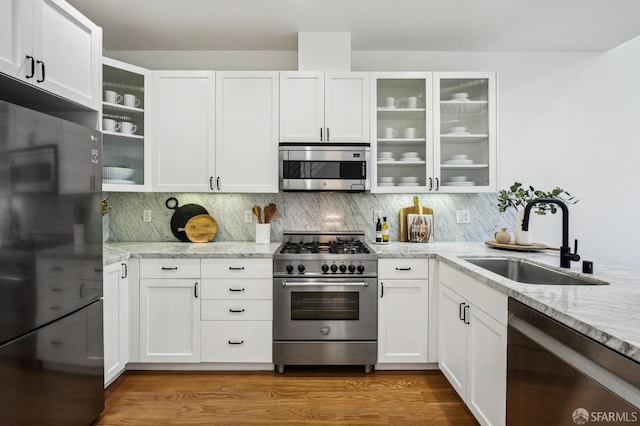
565,251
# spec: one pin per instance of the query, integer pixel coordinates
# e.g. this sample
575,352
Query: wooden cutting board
415,209
201,228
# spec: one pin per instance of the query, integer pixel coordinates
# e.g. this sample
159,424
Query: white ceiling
431,25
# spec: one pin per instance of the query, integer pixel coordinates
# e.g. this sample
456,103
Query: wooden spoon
273,211
257,213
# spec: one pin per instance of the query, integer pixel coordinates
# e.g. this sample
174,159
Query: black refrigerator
51,344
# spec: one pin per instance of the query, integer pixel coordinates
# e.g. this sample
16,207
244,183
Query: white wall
565,119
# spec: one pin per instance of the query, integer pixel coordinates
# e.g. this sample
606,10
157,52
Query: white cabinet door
346,113
452,341
169,320
51,45
116,325
403,321
247,131
301,106
486,368
319,107
183,124
15,37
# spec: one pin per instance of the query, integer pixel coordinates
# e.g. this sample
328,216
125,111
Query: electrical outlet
377,214
463,216
146,215
248,216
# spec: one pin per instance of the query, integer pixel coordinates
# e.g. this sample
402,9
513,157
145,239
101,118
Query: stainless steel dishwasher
557,376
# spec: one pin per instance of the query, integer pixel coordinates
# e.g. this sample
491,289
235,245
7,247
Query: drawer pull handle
236,342
56,268
236,268
56,342
56,308
236,289
166,268
403,269
235,311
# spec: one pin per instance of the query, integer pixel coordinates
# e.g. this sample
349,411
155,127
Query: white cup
390,133
128,128
109,125
390,102
112,97
413,102
460,96
131,100
263,233
410,133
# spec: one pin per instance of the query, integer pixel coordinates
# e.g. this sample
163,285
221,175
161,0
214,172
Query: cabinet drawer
237,268
234,341
170,268
237,289
91,269
403,269
244,310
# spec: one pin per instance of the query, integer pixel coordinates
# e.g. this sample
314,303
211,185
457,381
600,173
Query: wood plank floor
301,396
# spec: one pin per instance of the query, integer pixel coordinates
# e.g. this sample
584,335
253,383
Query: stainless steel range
325,300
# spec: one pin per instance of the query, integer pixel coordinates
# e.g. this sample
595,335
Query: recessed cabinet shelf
403,140
123,135
463,138
118,107
464,166
383,109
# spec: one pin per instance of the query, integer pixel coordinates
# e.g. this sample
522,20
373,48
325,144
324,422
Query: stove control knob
352,269
334,268
325,268
289,269
360,269
301,268
343,268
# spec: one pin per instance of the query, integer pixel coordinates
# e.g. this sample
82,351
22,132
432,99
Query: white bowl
409,179
460,129
410,155
458,179
119,173
460,96
386,179
385,154
458,157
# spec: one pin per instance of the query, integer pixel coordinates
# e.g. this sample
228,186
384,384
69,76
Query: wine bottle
378,231
385,230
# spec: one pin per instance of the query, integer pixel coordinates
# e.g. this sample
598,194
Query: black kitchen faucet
565,251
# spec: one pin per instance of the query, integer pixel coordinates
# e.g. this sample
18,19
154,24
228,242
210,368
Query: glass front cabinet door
465,131
125,128
433,132
402,132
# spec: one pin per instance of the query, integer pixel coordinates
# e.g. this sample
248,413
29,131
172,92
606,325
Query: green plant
517,196
105,206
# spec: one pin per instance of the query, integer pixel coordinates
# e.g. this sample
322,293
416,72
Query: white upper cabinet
433,132
324,107
465,131
246,131
183,124
126,147
51,45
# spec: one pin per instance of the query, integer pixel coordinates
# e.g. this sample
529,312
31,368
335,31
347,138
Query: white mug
390,133
128,128
112,97
410,133
109,125
413,102
131,100
390,102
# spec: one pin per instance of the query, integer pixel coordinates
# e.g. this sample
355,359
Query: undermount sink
523,271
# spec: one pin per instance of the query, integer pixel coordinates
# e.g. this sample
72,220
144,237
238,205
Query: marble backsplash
305,211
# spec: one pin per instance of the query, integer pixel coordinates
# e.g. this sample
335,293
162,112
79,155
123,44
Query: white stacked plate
459,162
466,183
386,184
411,156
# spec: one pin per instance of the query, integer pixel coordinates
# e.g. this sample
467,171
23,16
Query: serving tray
515,247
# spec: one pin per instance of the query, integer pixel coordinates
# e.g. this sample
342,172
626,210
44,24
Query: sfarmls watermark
582,416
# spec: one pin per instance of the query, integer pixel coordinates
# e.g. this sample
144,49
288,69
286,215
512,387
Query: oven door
324,309
324,168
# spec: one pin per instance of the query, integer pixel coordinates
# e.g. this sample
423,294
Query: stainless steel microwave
34,169
324,168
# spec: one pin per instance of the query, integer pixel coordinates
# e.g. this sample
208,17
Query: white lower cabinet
473,343
237,311
403,310
169,310
116,320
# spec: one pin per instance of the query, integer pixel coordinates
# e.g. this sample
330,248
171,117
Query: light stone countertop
608,314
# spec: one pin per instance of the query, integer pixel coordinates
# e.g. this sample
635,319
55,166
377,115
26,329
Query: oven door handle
324,284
